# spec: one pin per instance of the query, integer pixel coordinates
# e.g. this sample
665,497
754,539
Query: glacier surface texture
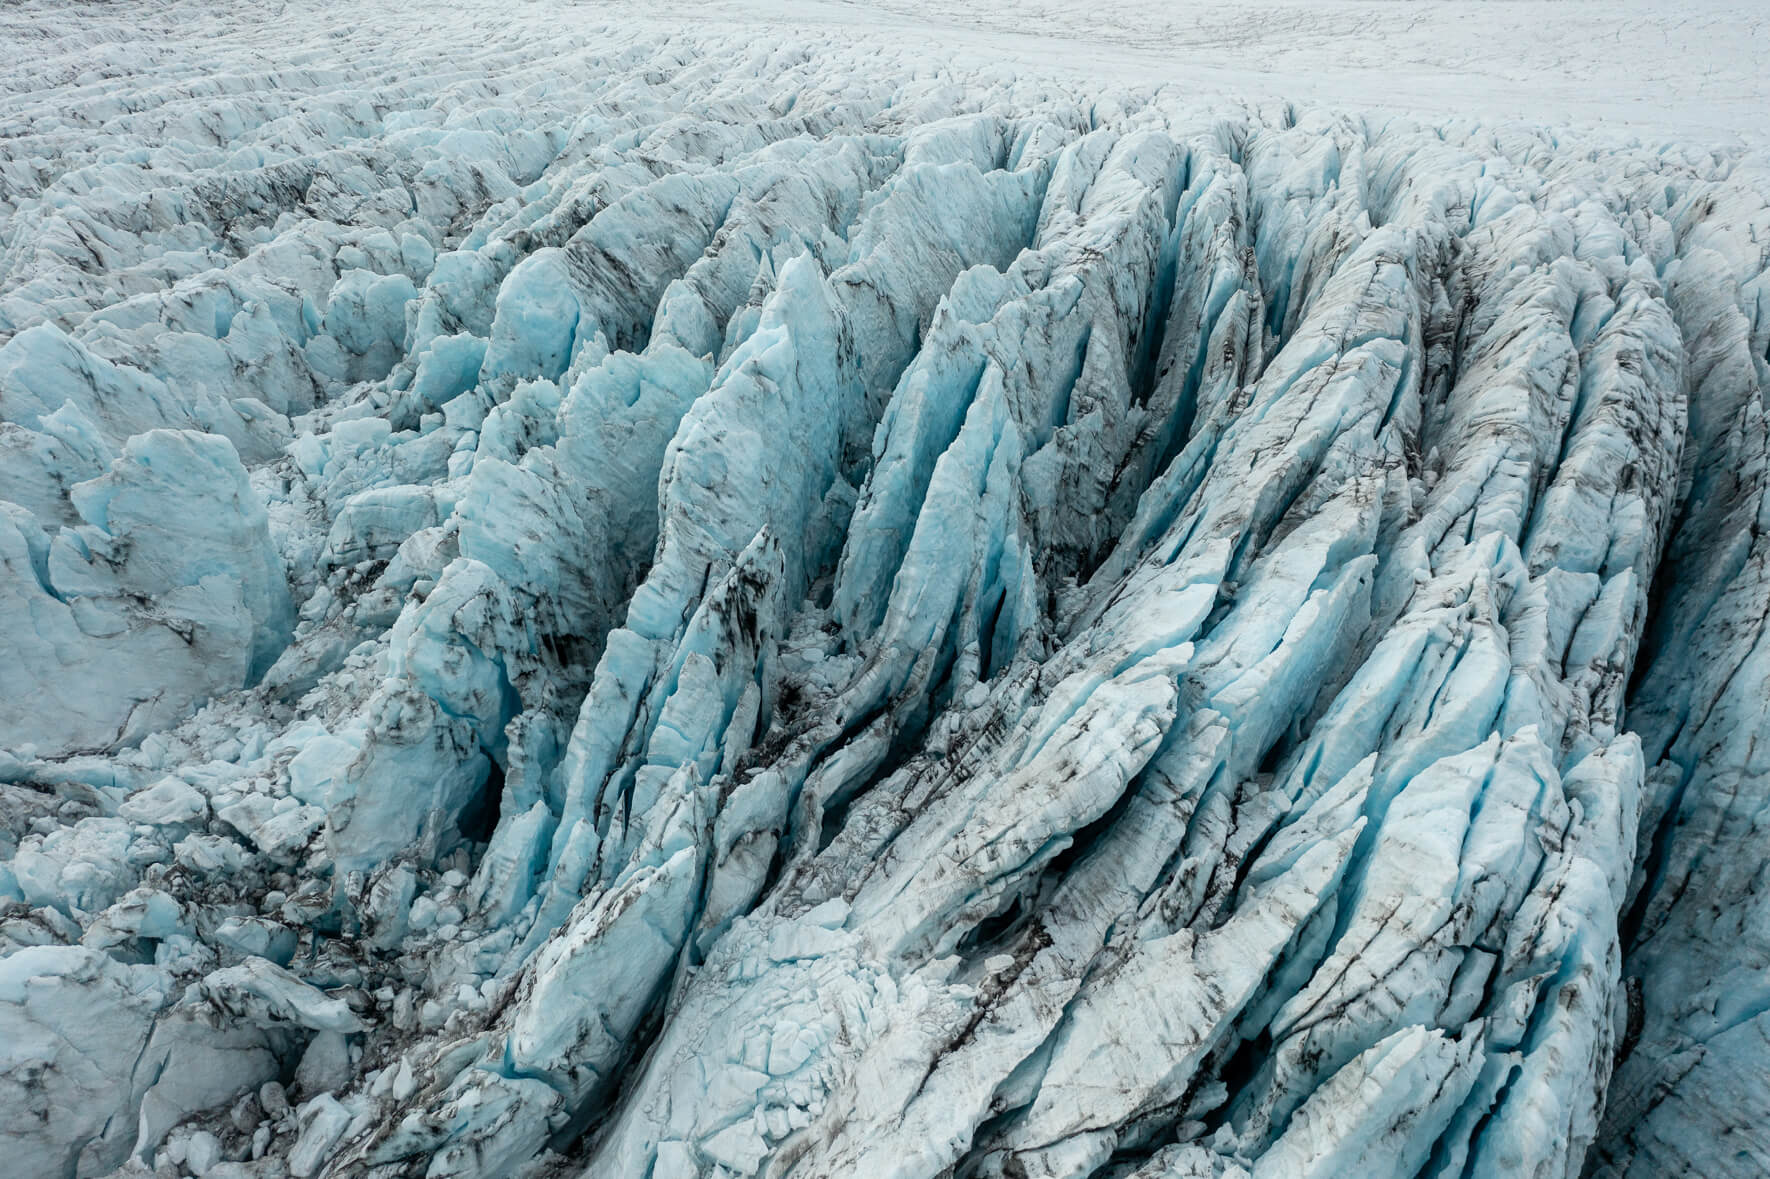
672,608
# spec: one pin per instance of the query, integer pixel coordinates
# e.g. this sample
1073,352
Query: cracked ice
623,610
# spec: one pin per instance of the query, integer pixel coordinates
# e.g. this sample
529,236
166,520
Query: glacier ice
690,607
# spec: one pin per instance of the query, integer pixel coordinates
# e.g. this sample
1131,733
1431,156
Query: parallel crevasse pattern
631,611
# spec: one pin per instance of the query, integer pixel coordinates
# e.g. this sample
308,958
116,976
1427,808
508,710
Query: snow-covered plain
1678,67
833,591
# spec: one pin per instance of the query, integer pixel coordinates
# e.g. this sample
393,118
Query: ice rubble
641,611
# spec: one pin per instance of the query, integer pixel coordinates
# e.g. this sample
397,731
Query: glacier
696,606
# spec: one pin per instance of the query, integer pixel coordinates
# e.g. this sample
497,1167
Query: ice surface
636,602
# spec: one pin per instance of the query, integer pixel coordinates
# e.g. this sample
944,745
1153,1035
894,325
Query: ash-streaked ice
706,605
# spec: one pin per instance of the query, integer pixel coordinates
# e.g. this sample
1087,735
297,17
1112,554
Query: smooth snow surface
591,594
1673,67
